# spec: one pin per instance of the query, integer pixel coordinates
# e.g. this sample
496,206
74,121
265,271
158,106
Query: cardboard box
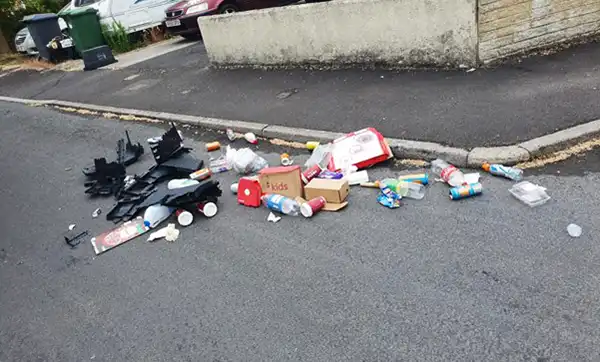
362,148
284,181
334,191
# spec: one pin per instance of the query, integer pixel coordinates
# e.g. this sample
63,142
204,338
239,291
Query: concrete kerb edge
401,148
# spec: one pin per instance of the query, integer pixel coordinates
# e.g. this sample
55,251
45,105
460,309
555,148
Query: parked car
134,15
24,42
182,18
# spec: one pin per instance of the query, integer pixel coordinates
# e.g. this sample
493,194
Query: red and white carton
362,149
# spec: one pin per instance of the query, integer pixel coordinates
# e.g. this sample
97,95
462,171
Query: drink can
311,173
213,146
419,178
200,175
311,207
465,191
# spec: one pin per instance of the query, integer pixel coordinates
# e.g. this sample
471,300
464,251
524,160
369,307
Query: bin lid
38,17
78,12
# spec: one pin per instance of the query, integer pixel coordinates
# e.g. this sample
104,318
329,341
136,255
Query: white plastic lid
209,209
306,210
185,218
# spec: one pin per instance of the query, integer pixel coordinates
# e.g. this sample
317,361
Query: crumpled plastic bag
244,161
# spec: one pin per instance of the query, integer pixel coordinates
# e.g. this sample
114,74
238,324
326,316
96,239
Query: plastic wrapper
244,161
389,198
320,156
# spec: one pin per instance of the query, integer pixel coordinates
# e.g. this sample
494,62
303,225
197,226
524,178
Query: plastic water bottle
447,172
512,173
281,204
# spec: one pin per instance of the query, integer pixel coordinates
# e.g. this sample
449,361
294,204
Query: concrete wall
394,32
510,26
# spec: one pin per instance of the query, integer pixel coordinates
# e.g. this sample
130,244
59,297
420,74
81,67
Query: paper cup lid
209,209
306,210
185,218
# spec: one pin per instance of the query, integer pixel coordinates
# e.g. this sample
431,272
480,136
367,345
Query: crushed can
462,192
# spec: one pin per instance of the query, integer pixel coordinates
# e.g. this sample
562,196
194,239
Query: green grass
117,38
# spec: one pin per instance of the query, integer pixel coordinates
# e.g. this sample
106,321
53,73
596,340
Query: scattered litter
200,175
161,233
286,159
131,77
362,149
212,146
335,192
281,204
311,145
574,230
287,93
184,217
127,154
74,237
122,234
245,161
230,134
96,213
234,188
529,193
420,178
372,185
330,175
357,178
461,192
68,168
249,192
208,209
448,173
72,226
283,180
470,70
311,207
472,178
512,173
156,214
411,190
389,198
251,138
273,218
172,233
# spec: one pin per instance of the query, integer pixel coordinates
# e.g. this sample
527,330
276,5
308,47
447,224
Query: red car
182,18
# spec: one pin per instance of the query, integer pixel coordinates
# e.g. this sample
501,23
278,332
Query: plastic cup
208,209
184,217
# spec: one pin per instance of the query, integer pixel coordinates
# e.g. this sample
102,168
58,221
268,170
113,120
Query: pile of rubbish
180,184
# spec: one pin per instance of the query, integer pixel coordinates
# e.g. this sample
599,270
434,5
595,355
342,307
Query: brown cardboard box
334,191
281,181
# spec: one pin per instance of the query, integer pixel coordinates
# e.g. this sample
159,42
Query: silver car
24,42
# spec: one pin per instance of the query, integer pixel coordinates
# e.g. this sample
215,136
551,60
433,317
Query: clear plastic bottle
281,204
447,172
512,173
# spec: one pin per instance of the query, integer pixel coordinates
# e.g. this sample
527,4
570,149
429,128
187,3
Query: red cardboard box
249,191
284,181
362,149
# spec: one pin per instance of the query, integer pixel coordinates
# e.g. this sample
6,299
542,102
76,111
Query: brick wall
510,26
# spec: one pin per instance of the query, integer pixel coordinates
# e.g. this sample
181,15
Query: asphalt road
515,102
484,279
